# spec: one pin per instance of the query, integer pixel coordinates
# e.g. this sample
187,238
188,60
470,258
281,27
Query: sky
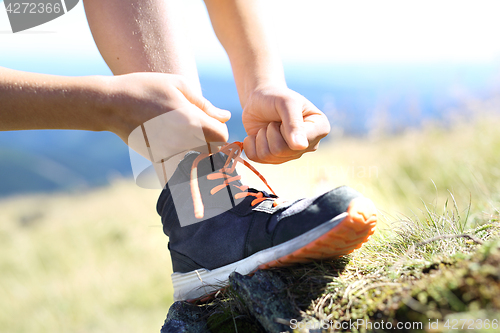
315,31
310,35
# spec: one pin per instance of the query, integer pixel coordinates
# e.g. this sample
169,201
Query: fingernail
301,140
224,113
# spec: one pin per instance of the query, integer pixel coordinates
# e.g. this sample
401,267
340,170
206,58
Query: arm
141,36
281,124
253,56
97,103
39,101
118,104
147,36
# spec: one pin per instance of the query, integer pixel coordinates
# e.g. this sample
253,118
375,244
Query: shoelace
233,151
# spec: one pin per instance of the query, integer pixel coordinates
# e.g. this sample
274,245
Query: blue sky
316,31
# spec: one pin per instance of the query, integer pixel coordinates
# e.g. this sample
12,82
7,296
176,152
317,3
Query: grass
411,274
97,261
83,262
435,254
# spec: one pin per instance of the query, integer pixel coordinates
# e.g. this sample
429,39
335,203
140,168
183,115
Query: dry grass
87,262
431,187
97,261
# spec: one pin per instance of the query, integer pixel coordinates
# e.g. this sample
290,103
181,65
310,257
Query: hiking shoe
216,225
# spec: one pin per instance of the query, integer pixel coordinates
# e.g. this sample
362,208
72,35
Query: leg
141,36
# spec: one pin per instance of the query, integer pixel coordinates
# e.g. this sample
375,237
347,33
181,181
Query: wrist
259,86
256,73
112,104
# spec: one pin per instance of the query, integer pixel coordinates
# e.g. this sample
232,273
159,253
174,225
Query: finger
201,102
264,153
250,149
290,111
277,144
213,129
316,127
261,146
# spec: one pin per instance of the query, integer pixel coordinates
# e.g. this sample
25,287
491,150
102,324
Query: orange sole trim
348,235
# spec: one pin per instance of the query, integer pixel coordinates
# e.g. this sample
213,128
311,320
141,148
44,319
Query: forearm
141,36
39,101
254,58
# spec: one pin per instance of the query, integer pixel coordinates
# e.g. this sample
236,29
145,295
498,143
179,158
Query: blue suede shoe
216,225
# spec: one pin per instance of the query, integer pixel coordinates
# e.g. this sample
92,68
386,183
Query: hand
173,116
281,125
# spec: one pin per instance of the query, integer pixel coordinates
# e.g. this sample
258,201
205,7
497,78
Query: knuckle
282,103
263,155
203,104
279,150
326,128
251,155
255,157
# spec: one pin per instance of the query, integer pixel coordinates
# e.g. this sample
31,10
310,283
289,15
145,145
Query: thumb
292,125
213,129
197,99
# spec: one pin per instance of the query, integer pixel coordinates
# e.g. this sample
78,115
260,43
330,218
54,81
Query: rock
184,317
265,296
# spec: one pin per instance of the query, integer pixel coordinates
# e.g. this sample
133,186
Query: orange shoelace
233,151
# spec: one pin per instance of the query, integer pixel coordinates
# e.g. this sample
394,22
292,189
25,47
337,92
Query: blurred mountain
358,99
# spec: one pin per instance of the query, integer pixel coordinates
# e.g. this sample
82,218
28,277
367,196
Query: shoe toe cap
309,213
